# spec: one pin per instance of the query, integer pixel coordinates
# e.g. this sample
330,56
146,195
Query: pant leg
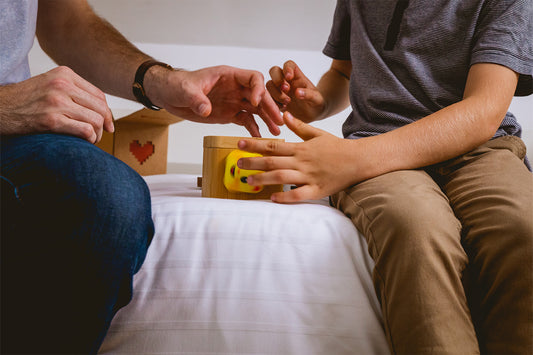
415,241
491,192
76,225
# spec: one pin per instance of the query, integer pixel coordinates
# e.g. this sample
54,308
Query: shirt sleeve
504,35
338,44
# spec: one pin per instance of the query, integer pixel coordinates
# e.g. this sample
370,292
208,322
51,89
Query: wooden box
141,140
216,148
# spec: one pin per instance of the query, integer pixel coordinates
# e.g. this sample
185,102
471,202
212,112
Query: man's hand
72,34
295,93
220,94
321,165
58,101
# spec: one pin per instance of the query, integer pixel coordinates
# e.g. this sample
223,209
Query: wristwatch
138,84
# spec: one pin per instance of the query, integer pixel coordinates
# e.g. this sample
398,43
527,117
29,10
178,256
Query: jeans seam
15,188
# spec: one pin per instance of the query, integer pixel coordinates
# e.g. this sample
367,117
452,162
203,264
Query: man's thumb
202,106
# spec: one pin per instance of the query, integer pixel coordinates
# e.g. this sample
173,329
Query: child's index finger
288,70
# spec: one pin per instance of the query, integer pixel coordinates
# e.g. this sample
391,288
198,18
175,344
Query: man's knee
118,205
75,193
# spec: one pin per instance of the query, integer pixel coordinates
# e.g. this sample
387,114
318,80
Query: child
433,170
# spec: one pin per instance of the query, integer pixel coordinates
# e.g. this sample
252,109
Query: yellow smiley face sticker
235,178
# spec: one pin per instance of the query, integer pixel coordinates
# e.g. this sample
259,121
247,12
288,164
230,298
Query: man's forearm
73,35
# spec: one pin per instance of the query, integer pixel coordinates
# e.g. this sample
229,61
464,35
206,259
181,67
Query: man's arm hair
72,34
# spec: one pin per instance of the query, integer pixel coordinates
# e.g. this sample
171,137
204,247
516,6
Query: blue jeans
76,226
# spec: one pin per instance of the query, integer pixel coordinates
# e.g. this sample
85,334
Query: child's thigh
491,190
403,210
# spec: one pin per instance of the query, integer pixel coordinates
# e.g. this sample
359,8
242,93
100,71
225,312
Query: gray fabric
433,48
17,32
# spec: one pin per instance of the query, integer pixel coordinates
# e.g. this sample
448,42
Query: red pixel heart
141,152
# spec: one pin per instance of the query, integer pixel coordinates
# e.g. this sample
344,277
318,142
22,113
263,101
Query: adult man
76,222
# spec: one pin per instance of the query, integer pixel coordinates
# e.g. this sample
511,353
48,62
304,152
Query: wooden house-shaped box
141,140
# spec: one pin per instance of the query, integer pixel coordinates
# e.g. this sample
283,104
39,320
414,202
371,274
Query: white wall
287,24
252,34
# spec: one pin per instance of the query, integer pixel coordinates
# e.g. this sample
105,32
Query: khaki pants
453,251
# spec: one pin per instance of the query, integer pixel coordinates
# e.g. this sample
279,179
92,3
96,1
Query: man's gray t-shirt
17,32
411,58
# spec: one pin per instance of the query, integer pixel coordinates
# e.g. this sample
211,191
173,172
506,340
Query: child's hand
320,166
295,93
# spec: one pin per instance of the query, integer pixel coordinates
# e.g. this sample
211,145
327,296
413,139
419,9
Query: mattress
248,277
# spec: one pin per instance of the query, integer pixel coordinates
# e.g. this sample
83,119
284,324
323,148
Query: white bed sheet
248,277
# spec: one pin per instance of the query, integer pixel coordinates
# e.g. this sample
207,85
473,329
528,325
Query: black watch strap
138,84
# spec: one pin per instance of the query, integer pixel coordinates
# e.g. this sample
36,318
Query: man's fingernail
203,109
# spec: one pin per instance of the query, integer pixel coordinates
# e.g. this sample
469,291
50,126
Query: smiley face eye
232,171
244,179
